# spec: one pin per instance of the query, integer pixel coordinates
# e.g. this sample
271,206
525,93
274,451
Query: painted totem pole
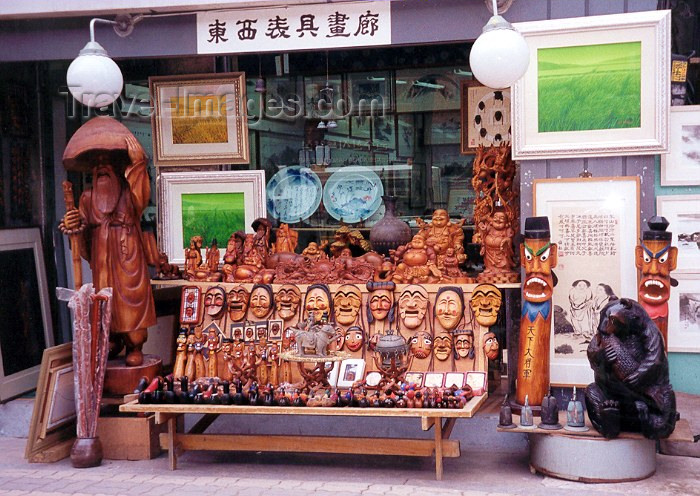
538,256
656,258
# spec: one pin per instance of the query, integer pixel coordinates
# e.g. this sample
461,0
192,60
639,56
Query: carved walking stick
74,238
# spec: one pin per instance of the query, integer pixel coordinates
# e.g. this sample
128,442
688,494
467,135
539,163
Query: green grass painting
589,87
212,215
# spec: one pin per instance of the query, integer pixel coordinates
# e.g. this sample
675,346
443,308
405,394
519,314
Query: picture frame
454,379
445,129
683,215
235,331
27,326
238,196
485,116
370,93
361,127
351,371
415,378
477,381
582,213
312,97
249,333
684,315
427,89
433,379
191,308
405,136
199,119
550,117
260,330
681,165
384,132
45,434
275,330
333,374
284,98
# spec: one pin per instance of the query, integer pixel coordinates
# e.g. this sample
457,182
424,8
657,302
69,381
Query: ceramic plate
353,194
293,194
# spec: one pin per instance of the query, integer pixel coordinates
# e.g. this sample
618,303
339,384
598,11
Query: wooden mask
485,304
215,302
238,299
347,303
449,307
261,300
413,305
287,302
655,258
421,344
317,302
491,346
538,256
354,338
442,346
464,344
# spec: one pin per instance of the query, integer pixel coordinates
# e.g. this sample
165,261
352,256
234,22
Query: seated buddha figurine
415,263
441,234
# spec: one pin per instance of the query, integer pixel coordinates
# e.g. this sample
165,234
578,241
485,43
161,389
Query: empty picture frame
199,119
211,204
595,86
681,165
25,314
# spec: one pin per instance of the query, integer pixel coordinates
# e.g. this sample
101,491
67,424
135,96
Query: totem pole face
380,303
449,308
539,257
656,258
317,302
346,304
421,344
485,304
354,338
491,346
464,344
413,305
442,346
287,302
215,301
181,341
260,301
238,299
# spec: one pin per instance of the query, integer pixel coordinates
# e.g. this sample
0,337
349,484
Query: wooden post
172,435
438,448
74,238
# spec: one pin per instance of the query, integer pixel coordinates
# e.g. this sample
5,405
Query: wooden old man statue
107,225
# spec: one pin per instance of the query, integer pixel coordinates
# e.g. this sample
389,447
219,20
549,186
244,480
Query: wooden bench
443,421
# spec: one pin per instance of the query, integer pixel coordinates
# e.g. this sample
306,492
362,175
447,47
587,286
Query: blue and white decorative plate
293,194
353,194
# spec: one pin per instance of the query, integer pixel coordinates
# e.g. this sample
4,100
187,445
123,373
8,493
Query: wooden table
443,420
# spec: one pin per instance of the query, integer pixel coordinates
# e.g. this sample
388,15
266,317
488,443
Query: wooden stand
121,380
176,442
318,375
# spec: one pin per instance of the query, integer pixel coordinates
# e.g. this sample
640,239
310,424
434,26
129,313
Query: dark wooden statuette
631,391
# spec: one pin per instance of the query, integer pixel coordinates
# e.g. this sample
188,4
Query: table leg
172,434
438,449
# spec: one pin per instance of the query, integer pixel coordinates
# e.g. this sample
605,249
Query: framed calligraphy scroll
595,223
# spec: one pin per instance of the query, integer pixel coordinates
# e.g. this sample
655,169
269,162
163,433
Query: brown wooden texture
312,444
534,346
120,378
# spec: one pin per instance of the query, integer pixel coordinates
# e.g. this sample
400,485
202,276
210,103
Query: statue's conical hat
99,133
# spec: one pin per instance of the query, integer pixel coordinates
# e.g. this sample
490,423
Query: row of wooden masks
446,328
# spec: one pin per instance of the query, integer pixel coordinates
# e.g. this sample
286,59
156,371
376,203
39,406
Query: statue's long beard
105,190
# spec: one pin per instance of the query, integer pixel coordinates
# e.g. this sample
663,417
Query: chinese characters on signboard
295,28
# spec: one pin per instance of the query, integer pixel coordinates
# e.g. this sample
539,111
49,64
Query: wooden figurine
442,233
416,263
656,258
213,349
286,239
233,255
497,234
347,239
314,253
631,391
180,354
107,227
538,256
166,270
193,257
485,303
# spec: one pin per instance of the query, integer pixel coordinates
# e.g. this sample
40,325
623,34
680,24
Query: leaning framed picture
199,119
25,315
684,315
681,165
595,86
351,371
211,204
595,224
485,116
683,215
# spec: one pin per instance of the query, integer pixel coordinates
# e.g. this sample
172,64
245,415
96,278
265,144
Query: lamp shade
93,78
500,55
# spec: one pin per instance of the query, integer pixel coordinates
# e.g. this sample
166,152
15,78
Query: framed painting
444,129
370,93
199,119
361,127
427,90
53,417
683,215
211,204
351,371
583,95
485,116
320,104
383,133
684,315
405,135
27,328
681,166
595,223
284,98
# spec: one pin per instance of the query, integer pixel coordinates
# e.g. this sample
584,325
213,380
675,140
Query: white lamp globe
93,78
500,55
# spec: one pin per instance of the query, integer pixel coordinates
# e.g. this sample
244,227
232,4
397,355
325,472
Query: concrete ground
476,472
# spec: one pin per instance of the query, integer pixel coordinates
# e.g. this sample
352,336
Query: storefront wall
413,22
